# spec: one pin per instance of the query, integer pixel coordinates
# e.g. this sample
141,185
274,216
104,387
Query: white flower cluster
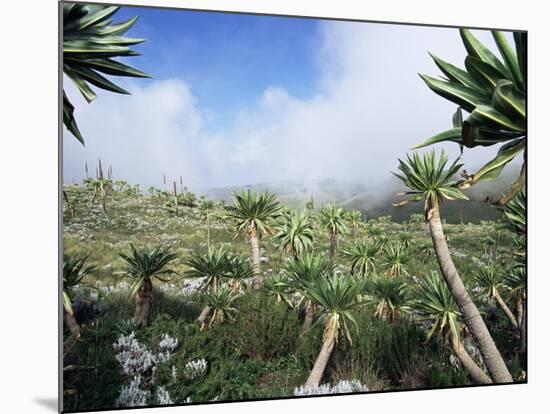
163,397
342,387
167,345
194,369
139,363
133,357
133,395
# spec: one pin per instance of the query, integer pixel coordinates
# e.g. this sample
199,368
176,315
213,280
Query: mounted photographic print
261,207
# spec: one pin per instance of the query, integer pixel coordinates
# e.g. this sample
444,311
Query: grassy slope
387,358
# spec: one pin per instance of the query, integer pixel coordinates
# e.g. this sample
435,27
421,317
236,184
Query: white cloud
370,107
151,133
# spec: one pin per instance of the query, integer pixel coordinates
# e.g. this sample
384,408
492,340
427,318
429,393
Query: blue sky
228,59
243,99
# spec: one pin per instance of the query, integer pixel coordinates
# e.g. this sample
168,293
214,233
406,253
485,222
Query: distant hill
295,194
376,200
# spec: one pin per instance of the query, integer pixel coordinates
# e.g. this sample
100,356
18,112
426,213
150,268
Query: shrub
271,328
398,347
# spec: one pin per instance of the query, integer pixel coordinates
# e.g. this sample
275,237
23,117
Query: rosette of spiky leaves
490,279
355,218
425,248
147,263
74,270
374,230
361,254
333,219
516,280
251,209
213,265
416,220
206,207
519,254
429,179
395,258
307,268
434,302
279,286
294,232
239,270
515,217
221,302
337,296
389,295
91,43
405,237
493,92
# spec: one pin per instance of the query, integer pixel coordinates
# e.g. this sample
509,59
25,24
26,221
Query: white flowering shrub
342,387
140,364
133,395
194,369
134,358
163,397
167,345
321,389
346,386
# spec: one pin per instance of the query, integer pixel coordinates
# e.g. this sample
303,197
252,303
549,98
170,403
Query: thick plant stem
72,324
204,313
472,318
208,229
321,362
308,320
333,245
522,321
506,310
517,186
255,245
144,301
477,374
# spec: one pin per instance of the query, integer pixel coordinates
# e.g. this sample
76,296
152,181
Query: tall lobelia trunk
506,310
333,244
472,318
144,301
208,229
255,245
522,323
72,324
176,199
308,319
322,360
477,374
102,188
203,315
384,311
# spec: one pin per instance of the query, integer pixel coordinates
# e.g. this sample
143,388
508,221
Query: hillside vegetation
260,348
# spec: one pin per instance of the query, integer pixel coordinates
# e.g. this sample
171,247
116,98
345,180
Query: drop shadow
49,403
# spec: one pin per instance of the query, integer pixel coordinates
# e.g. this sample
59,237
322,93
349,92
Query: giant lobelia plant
493,92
